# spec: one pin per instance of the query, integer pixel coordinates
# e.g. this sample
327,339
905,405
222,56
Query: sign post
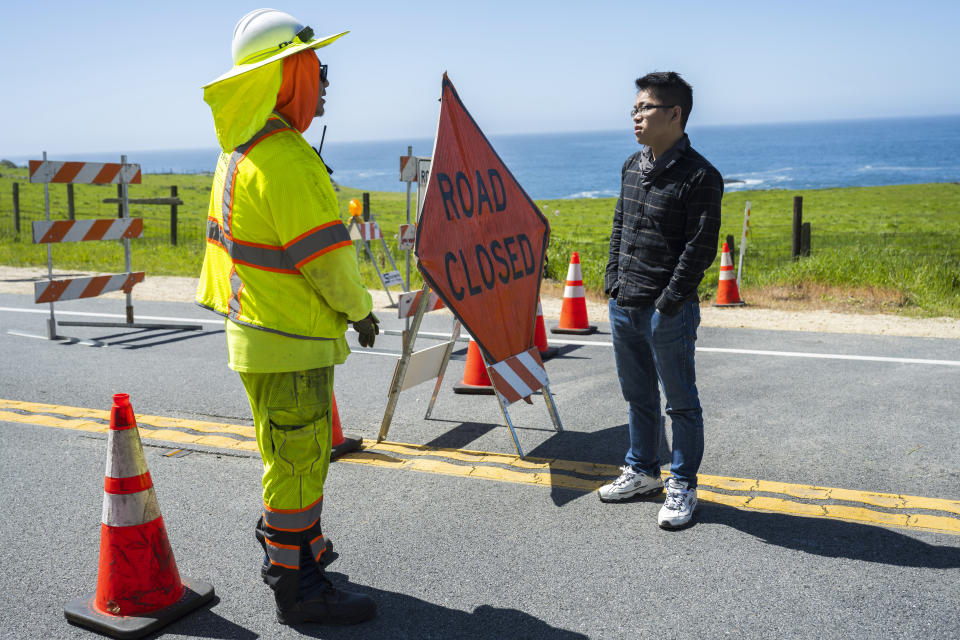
480,245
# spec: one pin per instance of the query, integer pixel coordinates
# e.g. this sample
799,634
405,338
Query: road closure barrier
139,588
124,228
573,313
540,336
728,293
341,443
475,379
480,244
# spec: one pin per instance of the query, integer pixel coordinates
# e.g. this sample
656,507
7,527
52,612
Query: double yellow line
883,509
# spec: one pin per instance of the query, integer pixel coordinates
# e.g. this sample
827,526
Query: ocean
809,155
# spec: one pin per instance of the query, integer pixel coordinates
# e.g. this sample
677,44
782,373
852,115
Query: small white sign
423,178
408,168
392,278
408,236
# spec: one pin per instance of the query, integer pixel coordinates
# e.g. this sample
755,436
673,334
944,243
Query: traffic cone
475,379
139,588
728,294
341,444
540,336
573,313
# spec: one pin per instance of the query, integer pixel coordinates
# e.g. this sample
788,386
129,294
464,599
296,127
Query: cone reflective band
139,587
84,230
728,294
84,172
573,313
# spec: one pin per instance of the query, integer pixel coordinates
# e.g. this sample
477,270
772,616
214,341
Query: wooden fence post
16,206
119,200
366,207
731,246
797,224
173,216
71,213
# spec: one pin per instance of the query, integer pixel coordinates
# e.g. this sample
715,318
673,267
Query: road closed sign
481,240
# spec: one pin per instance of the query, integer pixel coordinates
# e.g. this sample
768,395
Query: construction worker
280,266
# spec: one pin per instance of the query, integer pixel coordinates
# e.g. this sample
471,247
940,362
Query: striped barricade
365,231
518,376
85,230
370,231
90,287
84,172
410,300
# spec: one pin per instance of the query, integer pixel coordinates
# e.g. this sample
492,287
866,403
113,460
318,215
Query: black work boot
319,601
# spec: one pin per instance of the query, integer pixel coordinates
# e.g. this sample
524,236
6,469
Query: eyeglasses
646,109
323,73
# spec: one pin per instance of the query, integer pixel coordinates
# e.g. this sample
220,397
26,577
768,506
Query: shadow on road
832,538
403,616
205,623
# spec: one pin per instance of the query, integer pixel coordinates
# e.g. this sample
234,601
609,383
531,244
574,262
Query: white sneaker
678,508
629,484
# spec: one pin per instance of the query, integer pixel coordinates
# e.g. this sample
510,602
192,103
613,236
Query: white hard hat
267,35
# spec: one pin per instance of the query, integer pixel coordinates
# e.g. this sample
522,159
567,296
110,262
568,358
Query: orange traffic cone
341,444
728,294
573,313
475,379
540,336
139,588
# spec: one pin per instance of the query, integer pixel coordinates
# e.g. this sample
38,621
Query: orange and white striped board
90,287
410,300
80,230
364,231
369,231
518,376
84,172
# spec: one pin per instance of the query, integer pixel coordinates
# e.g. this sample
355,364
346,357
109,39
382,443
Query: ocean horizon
800,155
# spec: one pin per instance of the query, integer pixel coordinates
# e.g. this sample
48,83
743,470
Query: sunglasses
323,73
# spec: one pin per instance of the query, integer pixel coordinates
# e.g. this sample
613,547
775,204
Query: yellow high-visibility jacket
278,256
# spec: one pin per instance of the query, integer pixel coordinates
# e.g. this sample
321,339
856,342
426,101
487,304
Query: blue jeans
651,347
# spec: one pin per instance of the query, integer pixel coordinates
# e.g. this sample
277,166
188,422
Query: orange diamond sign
481,240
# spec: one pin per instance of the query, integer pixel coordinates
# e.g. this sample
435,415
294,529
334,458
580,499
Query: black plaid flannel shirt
665,229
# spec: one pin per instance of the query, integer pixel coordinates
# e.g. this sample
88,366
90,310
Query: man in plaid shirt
664,237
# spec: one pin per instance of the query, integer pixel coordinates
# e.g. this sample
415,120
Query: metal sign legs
414,368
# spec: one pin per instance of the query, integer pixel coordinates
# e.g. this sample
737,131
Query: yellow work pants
292,412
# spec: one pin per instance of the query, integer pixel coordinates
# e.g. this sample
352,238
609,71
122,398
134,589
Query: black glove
368,329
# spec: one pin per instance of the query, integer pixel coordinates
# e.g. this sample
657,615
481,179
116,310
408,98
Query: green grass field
893,248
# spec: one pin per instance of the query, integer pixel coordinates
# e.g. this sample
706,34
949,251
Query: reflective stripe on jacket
273,212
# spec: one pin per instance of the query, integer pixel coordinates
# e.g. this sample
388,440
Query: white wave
601,193
867,168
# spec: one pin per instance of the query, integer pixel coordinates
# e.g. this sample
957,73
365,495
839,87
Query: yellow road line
741,493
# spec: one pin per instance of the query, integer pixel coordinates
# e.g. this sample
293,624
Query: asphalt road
462,557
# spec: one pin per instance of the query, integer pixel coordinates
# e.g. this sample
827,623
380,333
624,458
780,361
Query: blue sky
122,76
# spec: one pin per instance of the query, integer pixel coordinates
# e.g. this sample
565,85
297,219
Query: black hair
669,88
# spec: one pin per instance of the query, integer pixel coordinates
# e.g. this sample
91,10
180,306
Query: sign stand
412,169
414,368
366,232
